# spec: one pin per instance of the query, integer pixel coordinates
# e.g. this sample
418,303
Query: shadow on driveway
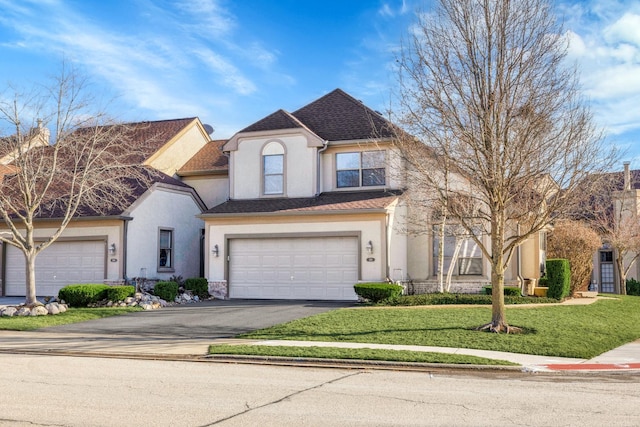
207,319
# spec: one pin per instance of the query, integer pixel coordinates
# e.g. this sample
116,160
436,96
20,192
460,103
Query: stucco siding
174,155
167,209
213,190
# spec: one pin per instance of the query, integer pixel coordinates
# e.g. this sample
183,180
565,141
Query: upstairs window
365,169
165,254
273,169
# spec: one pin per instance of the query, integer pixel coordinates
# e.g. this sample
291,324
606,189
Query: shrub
576,242
633,287
82,295
119,293
467,299
512,291
543,282
558,278
199,286
168,291
376,292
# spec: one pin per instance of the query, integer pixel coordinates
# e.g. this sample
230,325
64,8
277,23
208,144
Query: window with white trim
458,246
360,169
165,249
273,169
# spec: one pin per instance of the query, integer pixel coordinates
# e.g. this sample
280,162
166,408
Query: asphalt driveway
204,320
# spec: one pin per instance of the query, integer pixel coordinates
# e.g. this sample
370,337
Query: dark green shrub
633,287
467,299
375,292
512,291
168,291
199,286
543,282
119,293
82,295
558,278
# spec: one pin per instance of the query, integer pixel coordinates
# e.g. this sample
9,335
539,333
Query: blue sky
232,62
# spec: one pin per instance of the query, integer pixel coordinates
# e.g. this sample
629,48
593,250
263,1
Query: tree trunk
30,266
622,273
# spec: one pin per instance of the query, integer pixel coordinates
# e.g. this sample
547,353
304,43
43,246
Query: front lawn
354,353
579,331
72,315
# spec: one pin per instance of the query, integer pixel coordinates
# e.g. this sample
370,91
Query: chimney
627,176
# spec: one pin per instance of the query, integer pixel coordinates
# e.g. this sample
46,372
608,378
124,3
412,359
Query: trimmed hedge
168,291
83,295
119,293
199,286
376,292
558,278
512,291
633,287
467,299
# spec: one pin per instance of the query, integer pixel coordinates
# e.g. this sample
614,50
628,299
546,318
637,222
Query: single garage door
318,268
61,264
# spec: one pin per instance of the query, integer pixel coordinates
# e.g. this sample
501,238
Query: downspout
3,267
125,233
387,245
519,265
325,144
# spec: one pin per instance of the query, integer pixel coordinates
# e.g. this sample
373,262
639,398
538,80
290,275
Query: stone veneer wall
417,287
219,289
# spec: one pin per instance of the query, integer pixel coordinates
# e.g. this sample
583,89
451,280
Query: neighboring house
620,228
315,207
157,235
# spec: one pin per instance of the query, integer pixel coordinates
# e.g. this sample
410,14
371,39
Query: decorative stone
52,308
23,311
39,311
9,311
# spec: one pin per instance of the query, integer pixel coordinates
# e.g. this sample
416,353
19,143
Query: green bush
119,293
467,299
376,292
82,295
543,282
512,291
199,286
168,291
633,287
558,278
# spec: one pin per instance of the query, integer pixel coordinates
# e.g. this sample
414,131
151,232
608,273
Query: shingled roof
210,158
334,202
336,116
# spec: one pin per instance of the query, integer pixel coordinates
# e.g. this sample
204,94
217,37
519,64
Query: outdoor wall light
369,247
112,249
215,251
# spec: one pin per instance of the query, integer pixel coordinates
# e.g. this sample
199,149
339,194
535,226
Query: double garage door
61,264
317,268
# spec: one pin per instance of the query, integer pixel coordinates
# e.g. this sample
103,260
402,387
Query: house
157,235
618,224
314,206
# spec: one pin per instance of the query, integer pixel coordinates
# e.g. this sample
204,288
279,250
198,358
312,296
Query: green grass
354,353
580,331
72,315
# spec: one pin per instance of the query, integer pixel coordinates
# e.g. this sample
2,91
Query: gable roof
330,202
337,116
210,158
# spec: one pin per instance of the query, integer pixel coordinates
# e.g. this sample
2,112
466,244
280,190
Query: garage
61,264
304,268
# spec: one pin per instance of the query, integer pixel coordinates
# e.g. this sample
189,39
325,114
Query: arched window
273,168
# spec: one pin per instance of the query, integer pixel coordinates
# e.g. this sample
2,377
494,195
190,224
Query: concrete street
87,391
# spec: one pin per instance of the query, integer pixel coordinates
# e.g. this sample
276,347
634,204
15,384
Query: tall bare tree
82,166
485,89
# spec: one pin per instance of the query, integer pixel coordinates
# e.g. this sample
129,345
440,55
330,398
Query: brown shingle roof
334,202
336,116
276,121
209,158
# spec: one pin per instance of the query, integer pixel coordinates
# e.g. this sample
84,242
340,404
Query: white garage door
61,264
318,268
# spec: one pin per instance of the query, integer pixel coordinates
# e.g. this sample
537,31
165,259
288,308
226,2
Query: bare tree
485,89
83,166
577,242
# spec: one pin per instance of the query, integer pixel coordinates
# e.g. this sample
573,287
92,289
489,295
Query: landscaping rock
39,310
8,311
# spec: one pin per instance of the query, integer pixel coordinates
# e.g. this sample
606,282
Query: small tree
84,166
575,241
